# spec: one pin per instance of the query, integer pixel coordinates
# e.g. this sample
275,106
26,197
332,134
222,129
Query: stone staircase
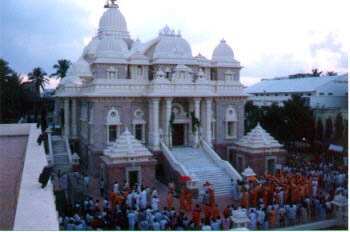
198,162
60,154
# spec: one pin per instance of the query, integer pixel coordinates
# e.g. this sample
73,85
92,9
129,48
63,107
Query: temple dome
111,46
71,81
90,49
171,45
113,23
81,68
223,52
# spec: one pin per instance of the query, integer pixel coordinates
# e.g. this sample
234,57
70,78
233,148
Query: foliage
291,122
329,128
319,130
195,123
339,127
316,73
331,73
61,68
38,76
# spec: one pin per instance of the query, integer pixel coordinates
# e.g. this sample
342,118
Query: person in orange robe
245,200
196,215
265,196
188,201
272,218
254,195
113,200
276,197
170,201
295,194
286,195
119,199
207,212
211,198
182,198
216,212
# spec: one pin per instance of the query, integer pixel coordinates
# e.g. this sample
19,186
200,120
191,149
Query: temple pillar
74,118
154,110
208,109
167,128
197,103
66,117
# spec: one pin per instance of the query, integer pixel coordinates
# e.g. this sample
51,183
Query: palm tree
39,79
61,67
316,73
331,73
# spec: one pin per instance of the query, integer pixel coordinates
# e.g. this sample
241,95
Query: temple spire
111,4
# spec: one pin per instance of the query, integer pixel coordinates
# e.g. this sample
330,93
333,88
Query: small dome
81,68
90,49
71,81
223,52
113,22
110,46
171,45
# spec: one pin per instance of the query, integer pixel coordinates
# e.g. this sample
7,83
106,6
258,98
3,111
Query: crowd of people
300,191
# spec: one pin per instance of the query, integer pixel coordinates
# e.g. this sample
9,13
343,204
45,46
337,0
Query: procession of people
296,193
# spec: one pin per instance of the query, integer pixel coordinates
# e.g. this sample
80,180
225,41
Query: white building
320,92
163,94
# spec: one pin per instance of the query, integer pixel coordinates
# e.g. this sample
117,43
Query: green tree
38,76
316,73
319,131
253,115
339,127
331,73
61,68
299,119
329,128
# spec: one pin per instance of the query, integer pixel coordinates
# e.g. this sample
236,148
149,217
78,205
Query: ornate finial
179,33
111,4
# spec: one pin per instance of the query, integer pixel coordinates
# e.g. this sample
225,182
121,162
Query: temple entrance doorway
178,134
133,177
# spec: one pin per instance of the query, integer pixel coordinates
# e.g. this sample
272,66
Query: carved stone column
197,103
154,109
208,109
66,117
74,117
167,128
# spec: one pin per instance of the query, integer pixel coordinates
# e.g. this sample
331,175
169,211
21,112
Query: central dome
113,22
171,45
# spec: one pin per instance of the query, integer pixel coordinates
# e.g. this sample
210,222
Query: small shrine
258,150
127,159
248,174
240,218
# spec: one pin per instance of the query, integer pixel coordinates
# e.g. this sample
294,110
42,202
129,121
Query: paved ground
12,152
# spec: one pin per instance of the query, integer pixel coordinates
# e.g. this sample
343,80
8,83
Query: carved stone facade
157,90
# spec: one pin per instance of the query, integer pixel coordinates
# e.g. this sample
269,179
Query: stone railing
192,184
50,158
221,163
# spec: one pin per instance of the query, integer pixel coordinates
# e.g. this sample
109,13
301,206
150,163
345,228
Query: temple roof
258,138
127,147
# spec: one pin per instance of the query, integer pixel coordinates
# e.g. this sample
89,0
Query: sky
271,38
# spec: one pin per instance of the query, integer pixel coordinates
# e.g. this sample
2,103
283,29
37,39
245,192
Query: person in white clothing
154,203
116,187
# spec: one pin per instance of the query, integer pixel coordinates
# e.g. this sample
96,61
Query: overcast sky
269,37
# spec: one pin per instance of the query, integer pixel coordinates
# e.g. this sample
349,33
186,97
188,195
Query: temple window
231,123
139,70
139,126
113,125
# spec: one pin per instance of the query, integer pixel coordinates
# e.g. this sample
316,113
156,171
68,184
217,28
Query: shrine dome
171,45
223,52
113,23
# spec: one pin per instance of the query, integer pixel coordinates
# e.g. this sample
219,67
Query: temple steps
197,162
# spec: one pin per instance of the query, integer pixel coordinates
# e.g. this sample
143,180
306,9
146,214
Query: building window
139,70
309,94
231,123
330,94
230,128
139,132
113,125
321,94
276,94
286,94
113,133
